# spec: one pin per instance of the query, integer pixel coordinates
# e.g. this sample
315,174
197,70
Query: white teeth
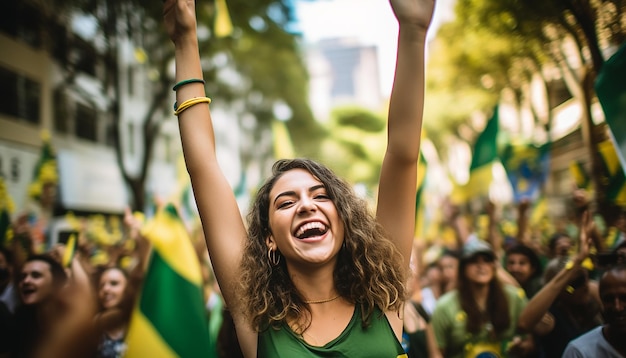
310,226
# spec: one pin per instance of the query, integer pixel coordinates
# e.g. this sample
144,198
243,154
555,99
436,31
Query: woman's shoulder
448,301
448,296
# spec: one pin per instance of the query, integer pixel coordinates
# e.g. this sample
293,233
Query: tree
502,43
261,56
594,28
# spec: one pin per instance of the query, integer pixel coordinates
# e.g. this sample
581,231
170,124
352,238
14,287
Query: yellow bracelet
190,102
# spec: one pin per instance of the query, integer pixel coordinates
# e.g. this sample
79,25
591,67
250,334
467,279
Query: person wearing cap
607,340
480,315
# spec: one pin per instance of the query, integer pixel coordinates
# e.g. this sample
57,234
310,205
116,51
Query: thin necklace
322,301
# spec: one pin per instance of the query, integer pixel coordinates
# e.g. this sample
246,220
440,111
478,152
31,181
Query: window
110,134
21,21
19,96
59,47
61,113
84,56
86,122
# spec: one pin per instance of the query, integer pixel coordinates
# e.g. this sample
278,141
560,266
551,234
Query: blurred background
86,123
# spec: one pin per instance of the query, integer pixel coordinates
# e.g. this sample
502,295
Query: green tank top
377,340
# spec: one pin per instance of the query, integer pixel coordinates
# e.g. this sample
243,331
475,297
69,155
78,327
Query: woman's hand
416,12
179,17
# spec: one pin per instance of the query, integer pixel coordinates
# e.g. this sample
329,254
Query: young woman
320,274
117,292
115,304
480,315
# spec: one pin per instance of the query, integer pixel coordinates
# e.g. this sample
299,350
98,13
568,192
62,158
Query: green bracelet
186,82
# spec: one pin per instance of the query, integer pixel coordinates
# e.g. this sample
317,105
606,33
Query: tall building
343,72
55,76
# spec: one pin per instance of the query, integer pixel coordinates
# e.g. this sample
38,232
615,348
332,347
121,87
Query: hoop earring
273,256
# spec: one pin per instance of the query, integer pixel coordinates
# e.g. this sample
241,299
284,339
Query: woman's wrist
188,40
416,31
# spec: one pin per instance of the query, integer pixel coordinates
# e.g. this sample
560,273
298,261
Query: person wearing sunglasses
479,317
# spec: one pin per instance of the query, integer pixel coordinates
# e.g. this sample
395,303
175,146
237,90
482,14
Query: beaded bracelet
186,82
190,102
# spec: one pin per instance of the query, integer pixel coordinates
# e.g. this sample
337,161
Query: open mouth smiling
311,229
27,291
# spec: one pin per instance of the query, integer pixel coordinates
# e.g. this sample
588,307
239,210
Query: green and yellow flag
422,166
45,171
70,250
6,209
613,174
484,153
579,174
610,87
169,319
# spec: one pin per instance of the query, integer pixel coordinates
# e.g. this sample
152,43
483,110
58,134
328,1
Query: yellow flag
223,25
70,249
283,147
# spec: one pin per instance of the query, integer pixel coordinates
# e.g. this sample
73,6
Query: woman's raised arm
398,179
221,219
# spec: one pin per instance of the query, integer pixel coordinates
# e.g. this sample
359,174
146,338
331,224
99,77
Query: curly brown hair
369,270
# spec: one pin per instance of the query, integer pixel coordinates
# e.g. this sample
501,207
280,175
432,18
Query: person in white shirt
607,340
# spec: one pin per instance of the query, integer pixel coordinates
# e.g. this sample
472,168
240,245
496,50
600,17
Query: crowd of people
314,272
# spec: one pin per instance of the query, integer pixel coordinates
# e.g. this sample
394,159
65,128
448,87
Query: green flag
422,165
169,319
580,175
484,154
611,91
6,209
613,177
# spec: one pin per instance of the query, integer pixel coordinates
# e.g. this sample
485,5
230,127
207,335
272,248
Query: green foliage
251,71
358,118
497,44
355,145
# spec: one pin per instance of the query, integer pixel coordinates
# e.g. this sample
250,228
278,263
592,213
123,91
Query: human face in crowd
304,222
111,288
449,266
613,296
433,276
562,246
518,265
36,284
480,269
